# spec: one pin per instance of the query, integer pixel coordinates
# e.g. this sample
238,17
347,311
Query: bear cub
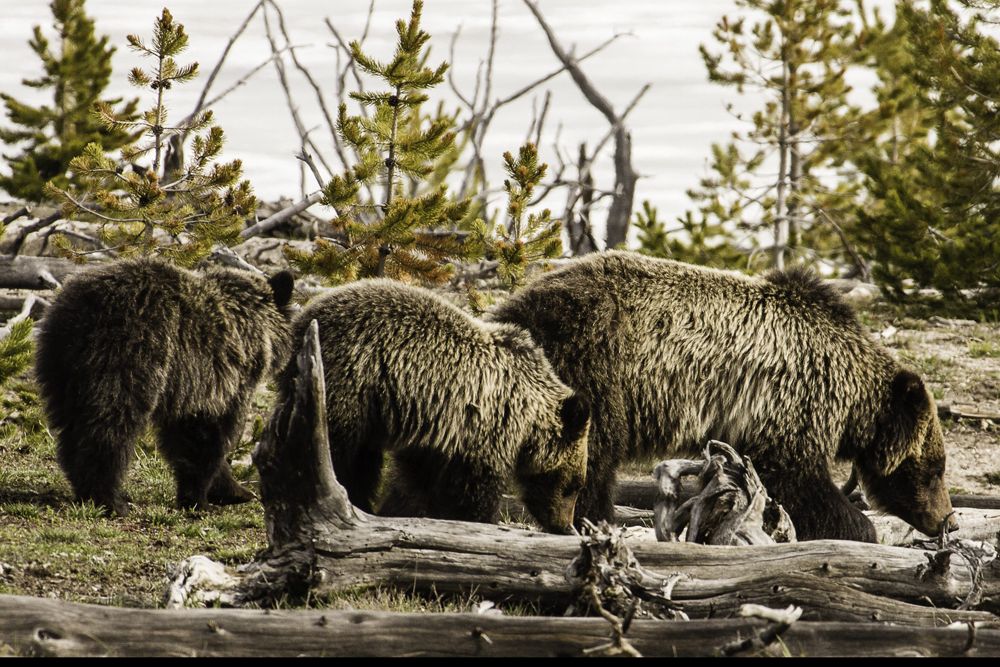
142,340
462,406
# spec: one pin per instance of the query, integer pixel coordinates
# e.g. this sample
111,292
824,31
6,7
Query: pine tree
198,205
796,55
520,242
933,215
407,236
696,241
54,134
15,350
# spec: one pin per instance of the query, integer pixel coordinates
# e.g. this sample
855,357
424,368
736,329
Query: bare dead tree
620,214
175,147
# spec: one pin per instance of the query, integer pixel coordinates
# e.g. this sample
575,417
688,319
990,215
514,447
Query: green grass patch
931,367
51,545
984,348
992,478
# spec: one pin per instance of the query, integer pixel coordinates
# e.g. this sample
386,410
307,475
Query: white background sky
672,127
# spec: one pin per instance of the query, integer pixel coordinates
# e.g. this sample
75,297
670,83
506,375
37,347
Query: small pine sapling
521,241
53,134
15,348
197,205
404,235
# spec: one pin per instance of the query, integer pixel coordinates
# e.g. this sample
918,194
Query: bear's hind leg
226,489
96,464
359,469
195,446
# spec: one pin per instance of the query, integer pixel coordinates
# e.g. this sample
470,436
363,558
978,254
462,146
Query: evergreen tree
398,236
933,214
53,135
15,350
796,55
519,242
198,205
700,241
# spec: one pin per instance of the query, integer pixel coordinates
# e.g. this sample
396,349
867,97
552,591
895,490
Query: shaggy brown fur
462,406
670,355
142,340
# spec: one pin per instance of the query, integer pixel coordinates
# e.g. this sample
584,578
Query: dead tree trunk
620,214
320,544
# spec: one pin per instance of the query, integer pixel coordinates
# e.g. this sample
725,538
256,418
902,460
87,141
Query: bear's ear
575,415
281,284
908,403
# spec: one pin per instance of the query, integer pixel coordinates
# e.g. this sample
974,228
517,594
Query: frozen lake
672,128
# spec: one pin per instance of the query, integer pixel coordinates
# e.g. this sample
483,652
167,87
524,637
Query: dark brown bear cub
141,340
463,408
671,355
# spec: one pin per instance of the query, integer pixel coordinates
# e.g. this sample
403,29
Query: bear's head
902,469
552,473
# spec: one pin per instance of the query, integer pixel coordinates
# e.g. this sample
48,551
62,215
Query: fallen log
24,272
946,410
642,494
15,299
44,627
321,545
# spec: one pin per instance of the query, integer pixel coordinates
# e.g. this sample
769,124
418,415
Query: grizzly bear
462,407
671,355
142,340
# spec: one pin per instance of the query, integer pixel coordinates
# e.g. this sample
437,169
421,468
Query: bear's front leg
817,507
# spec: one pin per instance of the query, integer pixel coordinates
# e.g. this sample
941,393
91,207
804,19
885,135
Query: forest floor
52,547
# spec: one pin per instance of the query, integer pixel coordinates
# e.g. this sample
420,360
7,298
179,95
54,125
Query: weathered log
642,494
978,521
36,272
43,627
966,500
320,544
280,217
15,299
948,411
13,247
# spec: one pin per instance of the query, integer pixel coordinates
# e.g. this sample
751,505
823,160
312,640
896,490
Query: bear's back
716,351
409,361
385,314
201,337
625,301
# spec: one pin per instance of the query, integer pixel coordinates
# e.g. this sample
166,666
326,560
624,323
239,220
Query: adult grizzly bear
142,340
670,355
462,406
